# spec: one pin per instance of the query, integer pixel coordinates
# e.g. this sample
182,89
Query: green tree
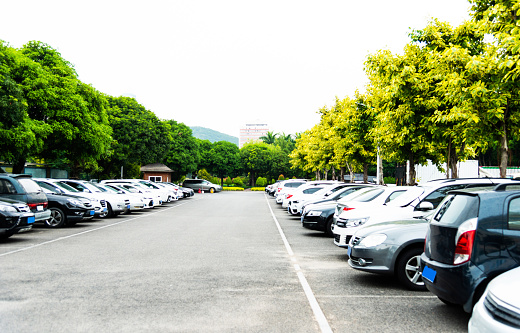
269,138
224,159
255,160
182,155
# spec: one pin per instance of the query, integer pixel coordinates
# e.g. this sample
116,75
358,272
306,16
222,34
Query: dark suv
23,188
15,217
473,237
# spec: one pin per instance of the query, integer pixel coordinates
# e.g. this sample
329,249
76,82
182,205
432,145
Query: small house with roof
157,172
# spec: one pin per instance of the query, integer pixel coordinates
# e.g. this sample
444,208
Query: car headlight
75,202
314,213
356,222
372,240
7,208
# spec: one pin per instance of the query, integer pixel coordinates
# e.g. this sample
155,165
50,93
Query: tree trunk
19,165
503,154
333,173
365,173
342,174
411,174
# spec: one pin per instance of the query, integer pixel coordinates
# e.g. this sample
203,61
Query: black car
319,215
15,217
23,188
473,237
66,209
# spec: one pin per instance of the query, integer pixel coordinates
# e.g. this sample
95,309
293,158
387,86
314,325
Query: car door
512,229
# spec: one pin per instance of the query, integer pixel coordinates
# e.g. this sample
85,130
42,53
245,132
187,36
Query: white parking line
316,309
87,231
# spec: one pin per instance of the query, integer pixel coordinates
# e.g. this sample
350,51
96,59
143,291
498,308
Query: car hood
401,226
505,287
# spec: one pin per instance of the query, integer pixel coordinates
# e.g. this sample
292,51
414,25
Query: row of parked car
25,200
451,237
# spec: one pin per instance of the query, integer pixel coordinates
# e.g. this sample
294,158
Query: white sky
220,64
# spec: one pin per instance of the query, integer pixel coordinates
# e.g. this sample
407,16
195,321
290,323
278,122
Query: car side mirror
425,205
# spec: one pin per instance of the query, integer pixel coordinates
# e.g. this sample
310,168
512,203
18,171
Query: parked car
154,197
416,202
98,203
116,204
370,199
391,248
15,217
66,209
303,193
186,192
23,188
335,192
473,237
319,216
498,310
138,200
202,185
287,186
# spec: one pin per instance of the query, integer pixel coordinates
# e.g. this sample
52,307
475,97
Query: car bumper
79,214
341,236
377,259
313,222
42,216
453,283
482,321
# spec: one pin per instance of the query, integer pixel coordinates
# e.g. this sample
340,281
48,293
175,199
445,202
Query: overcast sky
221,64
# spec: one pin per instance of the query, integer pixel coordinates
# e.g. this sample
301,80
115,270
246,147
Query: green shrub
389,180
257,188
238,181
261,182
232,189
228,181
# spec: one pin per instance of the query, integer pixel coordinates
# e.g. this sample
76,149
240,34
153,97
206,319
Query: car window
438,195
411,194
29,185
49,188
66,187
514,214
394,195
456,209
370,195
6,187
312,190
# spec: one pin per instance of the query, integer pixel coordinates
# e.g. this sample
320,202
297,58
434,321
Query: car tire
110,211
57,220
328,227
408,269
212,190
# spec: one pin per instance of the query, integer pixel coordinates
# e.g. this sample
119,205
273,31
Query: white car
498,310
302,192
150,198
287,186
161,195
99,203
415,203
367,201
333,192
136,201
116,204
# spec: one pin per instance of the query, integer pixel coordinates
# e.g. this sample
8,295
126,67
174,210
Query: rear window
293,184
312,190
456,209
29,185
514,214
370,195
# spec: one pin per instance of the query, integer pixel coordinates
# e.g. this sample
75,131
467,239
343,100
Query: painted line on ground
90,230
316,309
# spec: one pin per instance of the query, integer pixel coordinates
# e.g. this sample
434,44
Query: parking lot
226,262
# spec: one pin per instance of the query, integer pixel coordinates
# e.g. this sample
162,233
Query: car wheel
110,212
57,219
328,227
409,269
212,190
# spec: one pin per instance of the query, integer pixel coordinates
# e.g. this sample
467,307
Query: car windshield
406,198
353,195
66,187
369,195
456,209
48,188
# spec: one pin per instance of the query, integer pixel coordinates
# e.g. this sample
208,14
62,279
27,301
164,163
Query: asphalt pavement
223,262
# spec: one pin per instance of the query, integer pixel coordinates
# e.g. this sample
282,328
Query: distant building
252,132
157,172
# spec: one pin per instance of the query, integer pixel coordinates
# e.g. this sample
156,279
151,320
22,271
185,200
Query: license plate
104,210
349,250
39,208
127,206
91,212
429,274
30,219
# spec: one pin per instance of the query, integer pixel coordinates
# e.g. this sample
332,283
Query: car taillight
346,209
289,196
35,205
464,241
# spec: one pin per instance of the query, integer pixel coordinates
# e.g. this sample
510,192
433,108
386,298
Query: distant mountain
204,133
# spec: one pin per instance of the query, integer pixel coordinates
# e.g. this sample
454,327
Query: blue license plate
104,210
30,219
429,274
91,212
127,206
349,250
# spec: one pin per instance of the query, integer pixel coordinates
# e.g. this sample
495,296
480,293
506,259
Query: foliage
261,182
232,189
238,181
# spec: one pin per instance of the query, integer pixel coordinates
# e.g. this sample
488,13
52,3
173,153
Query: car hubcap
413,271
55,218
